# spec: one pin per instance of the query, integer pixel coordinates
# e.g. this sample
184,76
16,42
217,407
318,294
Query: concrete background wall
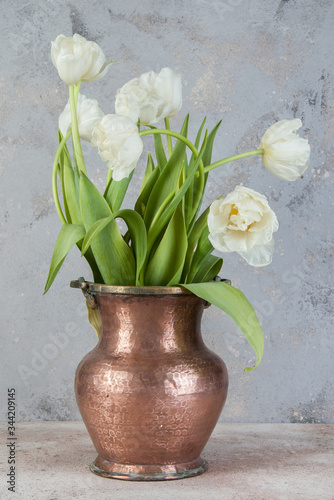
248,62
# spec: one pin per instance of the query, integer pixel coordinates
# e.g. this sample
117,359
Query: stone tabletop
246,461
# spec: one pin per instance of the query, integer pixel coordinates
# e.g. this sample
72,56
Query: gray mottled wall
249,63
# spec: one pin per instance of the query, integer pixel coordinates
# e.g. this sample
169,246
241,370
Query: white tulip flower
244,223
119,144
88,116
171,91
150,97
285,153
78,59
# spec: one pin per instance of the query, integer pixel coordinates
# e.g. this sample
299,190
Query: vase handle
84,286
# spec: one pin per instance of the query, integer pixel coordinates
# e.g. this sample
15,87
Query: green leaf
60,171
197,140
70,235
137,231
92,264
70,194
115,192
148,171
199,226
204,246
193,238
113,256
189,196
159,151
165,215
168,178
199,134
208,151
206,161
188,200
146,191
70,188
232,301
208,269
165,267
203,250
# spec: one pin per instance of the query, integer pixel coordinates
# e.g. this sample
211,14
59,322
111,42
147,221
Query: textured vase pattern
150,392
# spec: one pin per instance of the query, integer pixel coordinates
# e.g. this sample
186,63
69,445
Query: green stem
109,175
173,134
232,158
159,212
199,193
169,139
54,177
74,92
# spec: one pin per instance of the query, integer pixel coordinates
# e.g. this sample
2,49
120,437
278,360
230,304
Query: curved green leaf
70,194
64,159
208,269
159,151
199,133
113,256
165,267
159,223
168,179
232,301
70,235
148,171
211,137
137,230
188,199
203,250
115,192
206,161
70,188
146,191
193,238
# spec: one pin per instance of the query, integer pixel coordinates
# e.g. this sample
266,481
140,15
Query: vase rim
88,286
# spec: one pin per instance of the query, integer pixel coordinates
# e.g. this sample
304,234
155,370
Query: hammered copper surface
150,392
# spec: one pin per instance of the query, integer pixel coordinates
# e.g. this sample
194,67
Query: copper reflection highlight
150,393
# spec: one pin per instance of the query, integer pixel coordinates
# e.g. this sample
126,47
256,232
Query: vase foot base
114,470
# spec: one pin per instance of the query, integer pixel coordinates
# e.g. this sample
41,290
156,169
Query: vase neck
150,324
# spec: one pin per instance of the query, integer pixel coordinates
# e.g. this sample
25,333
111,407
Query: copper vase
150,393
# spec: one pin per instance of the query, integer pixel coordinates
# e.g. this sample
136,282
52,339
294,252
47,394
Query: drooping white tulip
119,144
78,59
150,97
88,116
243,222
285,153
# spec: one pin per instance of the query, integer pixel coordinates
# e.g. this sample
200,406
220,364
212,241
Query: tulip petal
280,130
285,153
78,59
119,144
70,68
243,222
88,115
259,255
150,97
103,70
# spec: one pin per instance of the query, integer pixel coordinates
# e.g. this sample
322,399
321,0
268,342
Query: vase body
150,393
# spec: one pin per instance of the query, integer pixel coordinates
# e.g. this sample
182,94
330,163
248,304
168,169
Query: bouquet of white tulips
169,239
